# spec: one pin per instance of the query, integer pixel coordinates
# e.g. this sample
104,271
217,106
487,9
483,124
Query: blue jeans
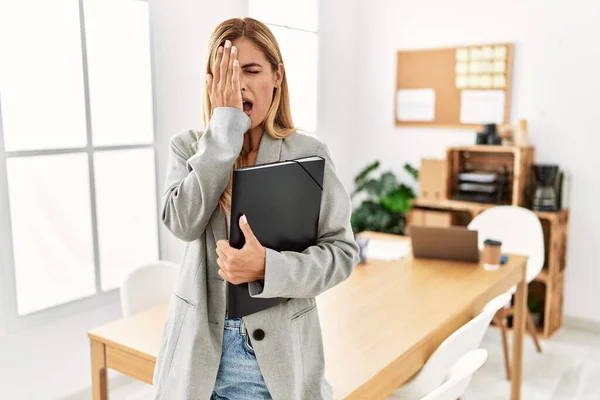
239,377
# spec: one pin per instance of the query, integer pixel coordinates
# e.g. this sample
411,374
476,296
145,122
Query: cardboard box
421,217
438,218
433,179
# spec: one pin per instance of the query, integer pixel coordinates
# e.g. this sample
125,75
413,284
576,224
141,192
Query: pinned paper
500,52
485,81
474,54
415,104
485,67
499,66
499,82
487,53
461,82
474,67
482,106
462,55
473,81
462,68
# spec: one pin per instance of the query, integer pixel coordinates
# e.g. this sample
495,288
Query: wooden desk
379,326
129,345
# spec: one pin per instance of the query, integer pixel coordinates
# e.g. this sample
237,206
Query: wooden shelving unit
548,286
516,161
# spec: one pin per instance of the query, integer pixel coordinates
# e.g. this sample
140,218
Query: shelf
542,277
552,215
452,204
470,206
492,148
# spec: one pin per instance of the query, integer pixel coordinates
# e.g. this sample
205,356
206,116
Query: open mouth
247,107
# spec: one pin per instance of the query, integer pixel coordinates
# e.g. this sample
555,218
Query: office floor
567,369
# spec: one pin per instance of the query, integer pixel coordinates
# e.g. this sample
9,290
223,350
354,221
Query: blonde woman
278,352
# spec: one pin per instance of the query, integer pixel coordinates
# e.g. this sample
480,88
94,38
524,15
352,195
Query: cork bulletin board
459,87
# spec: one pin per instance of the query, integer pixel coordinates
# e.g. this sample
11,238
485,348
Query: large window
295,25
78,199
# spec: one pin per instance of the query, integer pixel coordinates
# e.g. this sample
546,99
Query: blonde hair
278,121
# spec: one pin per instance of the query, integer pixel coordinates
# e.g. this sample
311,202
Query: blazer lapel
269,150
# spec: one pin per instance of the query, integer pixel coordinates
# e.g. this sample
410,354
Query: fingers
222,254
223,275
232,278
223,246
235,80
209,82
222,272
232,58
245,228
224,63
224,82
217,64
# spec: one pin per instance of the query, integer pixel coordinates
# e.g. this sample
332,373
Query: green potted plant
386,203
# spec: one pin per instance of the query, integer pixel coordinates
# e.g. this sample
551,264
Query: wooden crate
553,310
515,160
555,226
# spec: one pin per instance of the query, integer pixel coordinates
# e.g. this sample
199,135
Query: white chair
520,232
465,339
459,377
148,286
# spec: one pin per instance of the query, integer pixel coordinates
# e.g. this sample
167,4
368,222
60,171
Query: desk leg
99,382
519,328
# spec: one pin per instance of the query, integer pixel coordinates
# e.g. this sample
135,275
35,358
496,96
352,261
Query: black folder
282,202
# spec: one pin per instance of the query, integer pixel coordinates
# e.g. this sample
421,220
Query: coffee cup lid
492,242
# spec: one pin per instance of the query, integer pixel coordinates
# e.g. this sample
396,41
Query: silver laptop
452,243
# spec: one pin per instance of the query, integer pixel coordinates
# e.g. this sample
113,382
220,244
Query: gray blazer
290,355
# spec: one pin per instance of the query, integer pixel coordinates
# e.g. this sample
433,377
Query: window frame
8,291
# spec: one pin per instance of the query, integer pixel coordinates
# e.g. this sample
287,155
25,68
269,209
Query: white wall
555,87
337,113
52,361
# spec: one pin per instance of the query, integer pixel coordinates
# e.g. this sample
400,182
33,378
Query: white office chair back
465,339
519,230
148,286
459,377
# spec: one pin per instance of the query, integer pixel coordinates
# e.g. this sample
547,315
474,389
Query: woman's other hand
224,86
246,264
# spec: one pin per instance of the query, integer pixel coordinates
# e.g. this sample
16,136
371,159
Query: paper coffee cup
491,254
